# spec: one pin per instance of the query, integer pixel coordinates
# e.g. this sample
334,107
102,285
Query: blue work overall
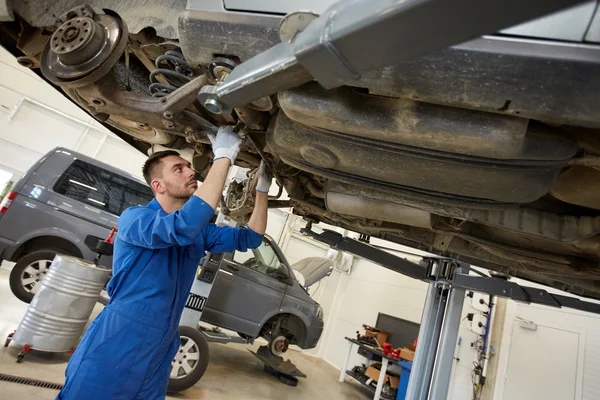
127,351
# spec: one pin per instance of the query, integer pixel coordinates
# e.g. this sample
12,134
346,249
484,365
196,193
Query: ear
157,186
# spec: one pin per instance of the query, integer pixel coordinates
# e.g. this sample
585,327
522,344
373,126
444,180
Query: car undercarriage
487,151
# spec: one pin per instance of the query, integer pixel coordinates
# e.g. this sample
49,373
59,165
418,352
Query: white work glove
264,179
226,144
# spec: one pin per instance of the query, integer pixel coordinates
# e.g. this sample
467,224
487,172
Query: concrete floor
233,372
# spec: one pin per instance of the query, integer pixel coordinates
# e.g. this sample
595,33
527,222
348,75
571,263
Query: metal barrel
61,307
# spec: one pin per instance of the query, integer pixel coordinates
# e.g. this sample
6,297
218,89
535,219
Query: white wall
587,325
34,118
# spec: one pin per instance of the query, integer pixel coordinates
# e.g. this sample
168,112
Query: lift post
448,281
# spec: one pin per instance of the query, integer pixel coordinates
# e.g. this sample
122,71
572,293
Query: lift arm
354,36
429,270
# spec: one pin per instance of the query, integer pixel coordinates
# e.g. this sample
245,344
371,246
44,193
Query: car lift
448,281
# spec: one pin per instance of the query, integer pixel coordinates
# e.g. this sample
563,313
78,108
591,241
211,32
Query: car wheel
28,272
279,344
191,360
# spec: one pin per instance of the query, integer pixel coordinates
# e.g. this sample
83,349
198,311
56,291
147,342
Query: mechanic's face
177,179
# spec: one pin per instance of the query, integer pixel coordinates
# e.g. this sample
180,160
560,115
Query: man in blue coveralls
127,351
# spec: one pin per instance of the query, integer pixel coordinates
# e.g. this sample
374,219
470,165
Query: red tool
111,236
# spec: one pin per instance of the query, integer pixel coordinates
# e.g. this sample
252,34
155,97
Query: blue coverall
127,351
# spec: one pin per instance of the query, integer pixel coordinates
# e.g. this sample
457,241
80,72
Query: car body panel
244,300
52,215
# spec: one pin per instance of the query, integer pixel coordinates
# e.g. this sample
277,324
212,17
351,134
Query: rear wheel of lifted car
28,272
190,361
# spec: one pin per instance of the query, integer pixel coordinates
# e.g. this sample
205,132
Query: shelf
369,387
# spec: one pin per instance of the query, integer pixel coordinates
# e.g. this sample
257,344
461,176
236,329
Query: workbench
384,365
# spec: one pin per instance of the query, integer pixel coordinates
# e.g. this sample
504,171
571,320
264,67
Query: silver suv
61,199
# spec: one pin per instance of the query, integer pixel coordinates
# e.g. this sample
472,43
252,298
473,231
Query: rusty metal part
220,67
579,185
155,50
240,199
76,12
31,42
521,220
357,206
107,97
254,119
162,15
262,104
587,161
141,130
83,50
315,191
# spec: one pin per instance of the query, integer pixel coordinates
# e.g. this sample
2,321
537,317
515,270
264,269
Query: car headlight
319,311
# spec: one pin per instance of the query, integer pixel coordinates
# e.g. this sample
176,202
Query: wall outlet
480,301
477,326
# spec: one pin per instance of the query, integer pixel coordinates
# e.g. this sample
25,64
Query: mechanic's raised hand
264,179
226,144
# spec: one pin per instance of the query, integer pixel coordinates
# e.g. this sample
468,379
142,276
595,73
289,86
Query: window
102,189
263,259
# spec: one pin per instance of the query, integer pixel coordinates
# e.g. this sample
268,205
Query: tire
187,379
25,270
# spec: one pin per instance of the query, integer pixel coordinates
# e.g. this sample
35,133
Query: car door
249,286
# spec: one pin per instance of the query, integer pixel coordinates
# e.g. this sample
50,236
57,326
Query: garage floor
232,373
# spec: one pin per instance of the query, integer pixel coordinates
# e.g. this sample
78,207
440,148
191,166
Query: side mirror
282,275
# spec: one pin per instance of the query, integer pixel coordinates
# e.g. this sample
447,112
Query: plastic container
406,367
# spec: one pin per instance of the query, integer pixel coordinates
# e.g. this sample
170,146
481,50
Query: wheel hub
185,359
279,345
77,41
83,49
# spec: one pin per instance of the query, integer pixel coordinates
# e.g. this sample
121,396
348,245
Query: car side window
263,259
100,188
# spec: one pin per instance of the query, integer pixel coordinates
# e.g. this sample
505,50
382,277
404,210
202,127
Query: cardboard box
407,354
381,336
373,373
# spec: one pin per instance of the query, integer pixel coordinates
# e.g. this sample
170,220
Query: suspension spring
174,69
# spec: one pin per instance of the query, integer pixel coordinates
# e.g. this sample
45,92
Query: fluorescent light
97,202
82,184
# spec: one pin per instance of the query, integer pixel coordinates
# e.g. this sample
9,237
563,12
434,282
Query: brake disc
84,49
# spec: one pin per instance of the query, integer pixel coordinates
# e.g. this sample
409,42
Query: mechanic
127,351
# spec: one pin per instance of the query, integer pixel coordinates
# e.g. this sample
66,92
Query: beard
179,192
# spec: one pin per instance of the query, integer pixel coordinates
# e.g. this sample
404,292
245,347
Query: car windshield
263,259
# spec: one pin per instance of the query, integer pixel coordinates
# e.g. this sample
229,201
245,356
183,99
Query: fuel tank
399,145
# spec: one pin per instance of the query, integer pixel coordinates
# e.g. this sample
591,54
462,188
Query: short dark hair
149,169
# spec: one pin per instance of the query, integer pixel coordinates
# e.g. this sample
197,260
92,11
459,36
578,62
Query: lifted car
486,151
255,294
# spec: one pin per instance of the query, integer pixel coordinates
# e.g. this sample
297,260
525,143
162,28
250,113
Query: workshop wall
34,118
582,336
